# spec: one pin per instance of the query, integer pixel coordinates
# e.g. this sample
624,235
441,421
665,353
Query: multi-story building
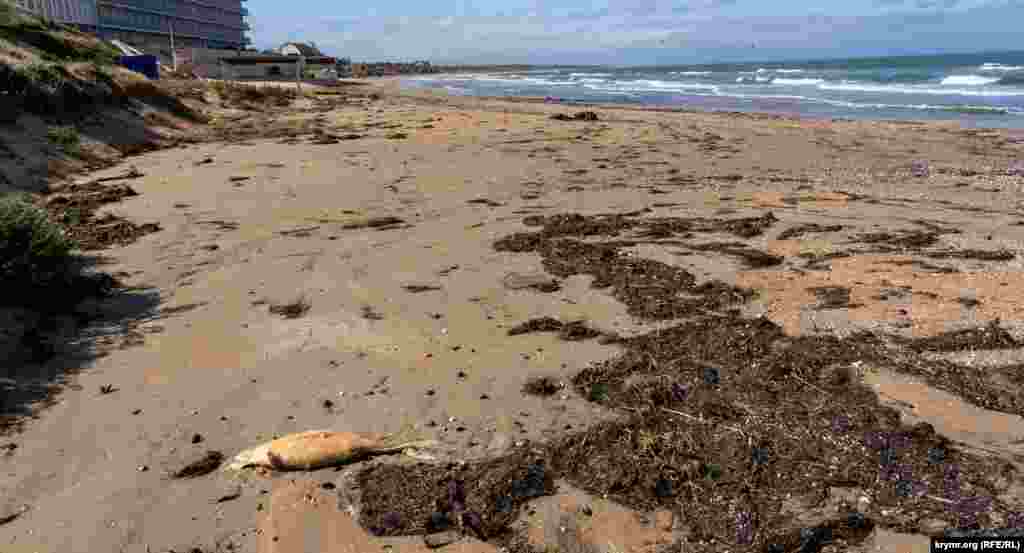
193,23
78,12
150,24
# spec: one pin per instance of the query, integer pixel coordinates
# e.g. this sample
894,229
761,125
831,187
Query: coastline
404,222
727,104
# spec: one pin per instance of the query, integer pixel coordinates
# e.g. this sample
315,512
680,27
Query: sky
636,32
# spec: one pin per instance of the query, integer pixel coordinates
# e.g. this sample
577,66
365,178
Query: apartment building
149,24
194,23
77,12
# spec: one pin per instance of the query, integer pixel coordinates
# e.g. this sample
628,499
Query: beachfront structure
274,67
150,24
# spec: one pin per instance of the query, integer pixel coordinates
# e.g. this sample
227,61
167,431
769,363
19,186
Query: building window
274,71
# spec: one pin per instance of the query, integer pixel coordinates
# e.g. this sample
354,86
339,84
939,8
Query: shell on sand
315,449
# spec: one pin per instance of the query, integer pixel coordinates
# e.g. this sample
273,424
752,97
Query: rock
1016,169
441,539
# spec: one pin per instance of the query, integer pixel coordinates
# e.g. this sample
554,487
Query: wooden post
174,54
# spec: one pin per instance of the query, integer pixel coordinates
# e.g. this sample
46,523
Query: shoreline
753,112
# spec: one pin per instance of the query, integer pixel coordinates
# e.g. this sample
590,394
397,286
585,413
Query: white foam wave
690,73
862,87
651,86
967,80
1000,67
670,85
590,74
789,70
798,82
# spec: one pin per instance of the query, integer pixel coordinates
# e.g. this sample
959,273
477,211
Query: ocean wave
1000,67
690,73
590,74
650,86
862,87
789,70
798,82
954,108
968,80
1012,79
670,85
529,81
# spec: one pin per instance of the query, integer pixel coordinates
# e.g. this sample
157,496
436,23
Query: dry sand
203,353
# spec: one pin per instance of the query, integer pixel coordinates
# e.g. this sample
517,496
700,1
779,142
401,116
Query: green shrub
34,251
66,137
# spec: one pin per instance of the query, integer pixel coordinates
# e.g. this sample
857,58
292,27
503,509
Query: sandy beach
874,250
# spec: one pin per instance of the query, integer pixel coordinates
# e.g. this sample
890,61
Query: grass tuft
66,137
34,250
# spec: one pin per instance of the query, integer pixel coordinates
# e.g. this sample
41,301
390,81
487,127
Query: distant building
299,49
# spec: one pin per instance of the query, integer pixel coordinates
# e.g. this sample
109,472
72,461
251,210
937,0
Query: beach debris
206,160
441,539
920,169
291,310
374,222
418,288
1016,169
107,389
231,494
572,331
542,386
579,116
536,281
208,463
485,201
8,517
315,449
132,173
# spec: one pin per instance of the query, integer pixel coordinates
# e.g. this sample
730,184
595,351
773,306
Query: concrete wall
205,62
270,71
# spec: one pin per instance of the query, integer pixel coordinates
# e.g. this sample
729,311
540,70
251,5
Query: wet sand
193,345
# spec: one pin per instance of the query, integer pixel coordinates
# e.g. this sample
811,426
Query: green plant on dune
34,250
66,137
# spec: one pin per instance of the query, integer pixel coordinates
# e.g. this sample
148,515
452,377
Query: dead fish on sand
316,449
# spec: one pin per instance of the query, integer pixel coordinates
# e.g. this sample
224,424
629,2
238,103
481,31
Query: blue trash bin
147,65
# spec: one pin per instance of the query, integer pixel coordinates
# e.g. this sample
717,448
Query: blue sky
621,32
